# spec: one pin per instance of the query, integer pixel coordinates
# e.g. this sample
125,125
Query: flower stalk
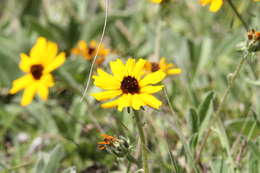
230,3
231,81
143,141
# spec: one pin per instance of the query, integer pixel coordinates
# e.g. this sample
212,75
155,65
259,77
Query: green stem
143,141
131,159
223,100
230,3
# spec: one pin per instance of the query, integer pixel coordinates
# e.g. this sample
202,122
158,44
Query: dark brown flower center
130,85
91,50
36,71
155,66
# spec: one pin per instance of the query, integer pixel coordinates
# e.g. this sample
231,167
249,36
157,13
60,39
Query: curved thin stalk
143,141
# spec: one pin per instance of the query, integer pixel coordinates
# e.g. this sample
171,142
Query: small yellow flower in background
107,141
128,83
42,60
215,5
89,51
257,0
169,69
156,1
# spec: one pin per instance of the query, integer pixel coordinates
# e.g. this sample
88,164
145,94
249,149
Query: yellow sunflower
128,85
215,5
156,1
169,69
38,65
89,51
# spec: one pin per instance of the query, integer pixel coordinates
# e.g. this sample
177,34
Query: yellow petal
28,95
25,63
151,89
205,2
129,66
117,68
111,104
156,1
38,50
152,78
47,80
21,83
215,5
43,92
138,69
124,101
174,71
55,63
50,52
137,102
82,45
151,100
162,62
106,81
106,95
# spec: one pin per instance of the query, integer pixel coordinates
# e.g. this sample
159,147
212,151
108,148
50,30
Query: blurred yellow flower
127,82
156,1
42,60
89,51
169,69
215,5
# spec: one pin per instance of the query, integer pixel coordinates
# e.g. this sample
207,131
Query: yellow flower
156,1
215,5
169,69
42,60
129,85
89,51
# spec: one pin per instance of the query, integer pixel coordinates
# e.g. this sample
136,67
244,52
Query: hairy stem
223,100
143,141
230,3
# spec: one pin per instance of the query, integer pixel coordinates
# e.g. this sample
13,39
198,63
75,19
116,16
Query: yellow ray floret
215,5
126,85
37,66
156,1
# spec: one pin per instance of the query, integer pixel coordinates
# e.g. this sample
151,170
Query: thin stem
143,141
223,100
131,159
99,45
230,3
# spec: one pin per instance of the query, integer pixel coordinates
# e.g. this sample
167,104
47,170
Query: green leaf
54,161
39,167
254,148
204,107
193,120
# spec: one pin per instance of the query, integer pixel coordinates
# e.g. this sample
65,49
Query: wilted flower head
118,146
129,85
37,66
253,43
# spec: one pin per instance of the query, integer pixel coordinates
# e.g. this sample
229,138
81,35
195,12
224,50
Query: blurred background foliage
62,133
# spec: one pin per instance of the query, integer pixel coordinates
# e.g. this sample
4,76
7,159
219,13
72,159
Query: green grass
62,133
